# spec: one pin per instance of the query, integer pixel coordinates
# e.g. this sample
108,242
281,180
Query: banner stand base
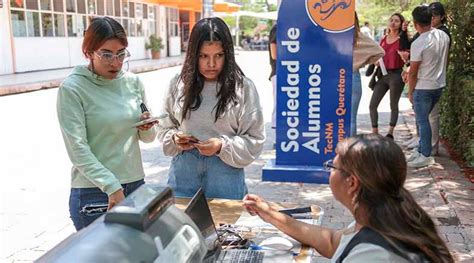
294,173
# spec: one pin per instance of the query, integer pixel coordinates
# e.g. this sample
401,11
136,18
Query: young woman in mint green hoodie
97,107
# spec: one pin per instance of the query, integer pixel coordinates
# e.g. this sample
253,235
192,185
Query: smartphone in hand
191,139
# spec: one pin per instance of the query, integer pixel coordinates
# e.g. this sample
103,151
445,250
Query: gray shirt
241,127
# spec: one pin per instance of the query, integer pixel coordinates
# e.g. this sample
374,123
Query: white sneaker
410,141
414,144
421,161
413,156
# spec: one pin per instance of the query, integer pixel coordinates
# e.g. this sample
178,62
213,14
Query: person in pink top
394,41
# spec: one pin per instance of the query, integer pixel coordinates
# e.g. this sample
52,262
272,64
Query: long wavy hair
230,78
390,209
404,42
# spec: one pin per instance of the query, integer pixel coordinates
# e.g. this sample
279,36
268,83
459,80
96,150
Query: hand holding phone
185,141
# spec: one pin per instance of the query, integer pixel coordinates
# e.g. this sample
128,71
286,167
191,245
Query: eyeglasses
329,166
109,57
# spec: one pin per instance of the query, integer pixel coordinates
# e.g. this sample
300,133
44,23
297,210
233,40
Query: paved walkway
45,79
440,189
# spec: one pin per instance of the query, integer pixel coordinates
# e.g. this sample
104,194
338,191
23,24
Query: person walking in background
388,226
272,50
366,51
365,29
426,79
215,126
97,107
392,43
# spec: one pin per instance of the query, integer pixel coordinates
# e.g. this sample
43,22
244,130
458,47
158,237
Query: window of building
138,10
32,4
45,4
140,29
132,28
131,8
117,8
17,4
151,12
58,5
47,25
33,24
91,7
59,29
100,7
125,8
173,23
110,7
81,6
18,23
70,6
76,25
125,26
61,18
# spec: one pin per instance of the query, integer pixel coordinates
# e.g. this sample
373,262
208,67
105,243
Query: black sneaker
389,136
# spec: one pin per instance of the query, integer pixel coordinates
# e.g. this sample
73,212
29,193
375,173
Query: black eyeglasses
109,57
329,166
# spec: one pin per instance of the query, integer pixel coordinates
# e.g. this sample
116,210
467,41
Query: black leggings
392,81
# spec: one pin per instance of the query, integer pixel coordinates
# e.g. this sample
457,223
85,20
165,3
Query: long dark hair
230,78
100,30
356,29
390,209
403,34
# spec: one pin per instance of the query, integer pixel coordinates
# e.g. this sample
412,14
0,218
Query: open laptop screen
199,212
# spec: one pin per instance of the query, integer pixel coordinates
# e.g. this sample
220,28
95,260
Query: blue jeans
423,102
190,170
88,204
356,96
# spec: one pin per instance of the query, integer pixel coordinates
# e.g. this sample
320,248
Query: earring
128,66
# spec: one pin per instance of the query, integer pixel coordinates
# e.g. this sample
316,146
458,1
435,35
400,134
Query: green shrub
457,102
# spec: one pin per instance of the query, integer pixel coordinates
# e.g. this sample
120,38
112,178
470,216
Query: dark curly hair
230,78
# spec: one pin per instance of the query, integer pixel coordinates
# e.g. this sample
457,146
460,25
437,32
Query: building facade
48,34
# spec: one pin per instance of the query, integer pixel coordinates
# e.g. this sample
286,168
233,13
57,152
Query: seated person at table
367,177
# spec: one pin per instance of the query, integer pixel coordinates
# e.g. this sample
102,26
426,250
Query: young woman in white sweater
215,126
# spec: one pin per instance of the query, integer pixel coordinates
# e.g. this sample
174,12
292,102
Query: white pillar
6,40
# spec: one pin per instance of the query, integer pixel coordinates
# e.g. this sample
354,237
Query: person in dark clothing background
272,50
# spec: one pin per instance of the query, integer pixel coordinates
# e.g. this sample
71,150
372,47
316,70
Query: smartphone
191,138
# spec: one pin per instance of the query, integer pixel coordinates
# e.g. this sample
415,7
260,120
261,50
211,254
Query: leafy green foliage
154,43
457,102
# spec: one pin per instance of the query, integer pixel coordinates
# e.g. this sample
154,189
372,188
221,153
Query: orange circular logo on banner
332,15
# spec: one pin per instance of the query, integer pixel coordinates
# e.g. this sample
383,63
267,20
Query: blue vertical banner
314,77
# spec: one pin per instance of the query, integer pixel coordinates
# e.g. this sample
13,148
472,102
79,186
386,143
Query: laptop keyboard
244,256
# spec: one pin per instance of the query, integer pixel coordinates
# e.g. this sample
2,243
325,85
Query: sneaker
389,135
413,156
421,161
408,142
414,144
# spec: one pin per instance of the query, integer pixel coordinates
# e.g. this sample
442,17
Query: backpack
369,236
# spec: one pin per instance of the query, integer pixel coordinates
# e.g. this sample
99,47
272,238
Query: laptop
198,210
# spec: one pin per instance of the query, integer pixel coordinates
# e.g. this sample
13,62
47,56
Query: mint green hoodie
96,116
